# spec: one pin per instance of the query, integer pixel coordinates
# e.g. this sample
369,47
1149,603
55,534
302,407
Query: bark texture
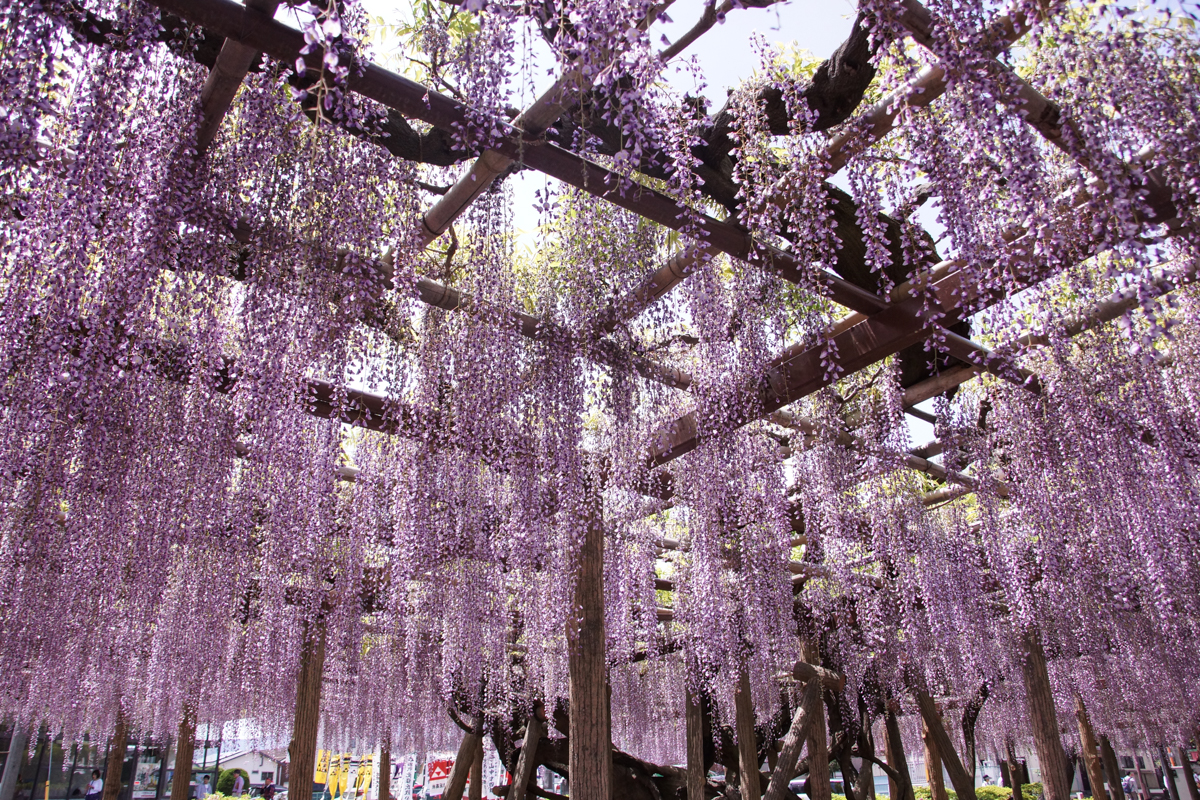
1040,704
1090,751
116,760
697,768
302,752
747,740
899,789
185,749
1112,769
591,760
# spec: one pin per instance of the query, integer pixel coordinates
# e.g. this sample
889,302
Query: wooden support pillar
591,743
116,759
819,787
793,742
934,732
697,775
1040,705
747,741
1189,779
1014,771
896,759
185,749
302,752
1168,774
933,765
385,767
1090,750
1112,769
456,782
535,729
12,764
475,785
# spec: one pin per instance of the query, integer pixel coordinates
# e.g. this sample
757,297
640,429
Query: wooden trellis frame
878,328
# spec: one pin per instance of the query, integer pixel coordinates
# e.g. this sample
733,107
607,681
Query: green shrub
1031,791
225,782
923,793
992,793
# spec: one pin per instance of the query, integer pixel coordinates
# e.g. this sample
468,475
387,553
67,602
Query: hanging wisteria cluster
248,393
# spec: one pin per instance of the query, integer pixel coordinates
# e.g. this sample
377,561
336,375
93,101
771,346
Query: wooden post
746,739
819,787
116,759
697,775
1040,704
793,742
1188,779
456,782
527,760
1112,769
302,752
475,785
934,732
385,767
1168,774
12,764
591,743
164,754
185,749
933,765
896,758
1014,770
1090,750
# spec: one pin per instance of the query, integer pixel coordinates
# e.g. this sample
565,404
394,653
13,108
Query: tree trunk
935,730
475,787
1090,751
527,760
116,759
896,759
1188,779
456,782
747,741
302,752
933,765
819,787
1014,770
697,775
590,755
163,755
185,749
12,764
1168,774
385,767
793,742
1040,704
1112,769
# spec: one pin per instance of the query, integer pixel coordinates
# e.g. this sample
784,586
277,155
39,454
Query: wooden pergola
876,326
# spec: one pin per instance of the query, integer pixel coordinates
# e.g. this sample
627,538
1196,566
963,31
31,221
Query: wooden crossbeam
225,78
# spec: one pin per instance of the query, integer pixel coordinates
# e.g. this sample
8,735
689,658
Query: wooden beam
830,679
225,78
1039,702
793,742
590,740
747,740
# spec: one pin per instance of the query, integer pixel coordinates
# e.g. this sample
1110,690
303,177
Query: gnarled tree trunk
1040,705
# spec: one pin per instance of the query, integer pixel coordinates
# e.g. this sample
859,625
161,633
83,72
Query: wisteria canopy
294,404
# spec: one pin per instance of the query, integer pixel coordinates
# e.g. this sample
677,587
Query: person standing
238,784
204,789
268,790
95,788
